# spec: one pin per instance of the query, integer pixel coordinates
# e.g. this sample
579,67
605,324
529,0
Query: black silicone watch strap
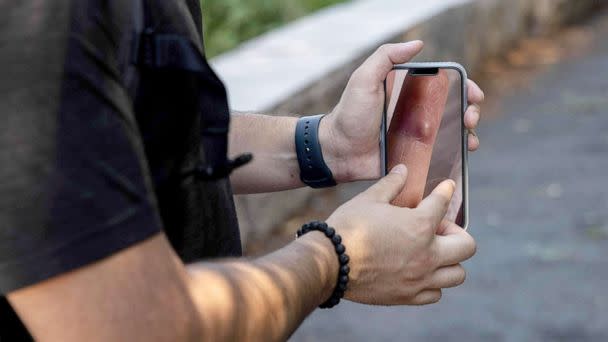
313,170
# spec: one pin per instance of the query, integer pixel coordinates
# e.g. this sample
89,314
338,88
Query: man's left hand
350,133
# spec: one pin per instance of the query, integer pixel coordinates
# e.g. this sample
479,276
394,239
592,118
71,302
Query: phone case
464,134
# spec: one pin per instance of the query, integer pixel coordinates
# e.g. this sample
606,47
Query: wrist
322,250
333,154
343,259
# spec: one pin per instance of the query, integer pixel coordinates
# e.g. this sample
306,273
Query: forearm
265,300
272,142
145,293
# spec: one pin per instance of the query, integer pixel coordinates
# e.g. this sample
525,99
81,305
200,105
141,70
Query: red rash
413,130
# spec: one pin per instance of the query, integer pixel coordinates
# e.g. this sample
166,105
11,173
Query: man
103,202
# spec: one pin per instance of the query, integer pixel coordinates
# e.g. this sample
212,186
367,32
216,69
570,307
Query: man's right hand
401,255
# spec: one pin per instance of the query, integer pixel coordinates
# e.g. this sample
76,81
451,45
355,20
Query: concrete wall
303,67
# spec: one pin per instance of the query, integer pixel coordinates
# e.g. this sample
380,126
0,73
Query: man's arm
272,141
348,135
145,293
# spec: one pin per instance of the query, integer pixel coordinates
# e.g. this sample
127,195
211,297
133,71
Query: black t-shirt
91,152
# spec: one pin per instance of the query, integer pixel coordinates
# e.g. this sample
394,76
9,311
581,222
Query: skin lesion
420,107
420,129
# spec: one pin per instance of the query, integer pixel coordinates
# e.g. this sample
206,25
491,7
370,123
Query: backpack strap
164,51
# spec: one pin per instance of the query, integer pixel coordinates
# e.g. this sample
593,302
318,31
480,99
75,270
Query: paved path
540,215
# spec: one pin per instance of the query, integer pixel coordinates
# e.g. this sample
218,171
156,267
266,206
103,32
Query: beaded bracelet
343,259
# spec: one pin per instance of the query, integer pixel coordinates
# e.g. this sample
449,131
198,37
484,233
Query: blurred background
230,22
538,193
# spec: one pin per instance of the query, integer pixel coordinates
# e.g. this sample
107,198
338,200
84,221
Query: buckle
214,172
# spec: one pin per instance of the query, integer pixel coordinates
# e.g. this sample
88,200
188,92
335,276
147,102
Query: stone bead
340,248
344,270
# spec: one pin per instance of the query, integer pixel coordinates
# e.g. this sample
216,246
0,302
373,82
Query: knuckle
407,295
414,274
418,269
429,261
424,221
383,49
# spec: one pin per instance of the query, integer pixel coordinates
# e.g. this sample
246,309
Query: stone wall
303,67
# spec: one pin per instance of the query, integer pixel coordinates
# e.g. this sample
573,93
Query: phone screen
424,130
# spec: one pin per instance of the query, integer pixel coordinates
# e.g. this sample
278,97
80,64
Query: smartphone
423,128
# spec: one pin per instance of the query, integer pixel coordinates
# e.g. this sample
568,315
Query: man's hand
401,255
351,130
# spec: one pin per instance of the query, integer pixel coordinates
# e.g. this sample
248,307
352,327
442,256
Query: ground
539,210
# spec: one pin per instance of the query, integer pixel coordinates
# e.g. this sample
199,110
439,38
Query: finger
427,297
471,116
473,142
474,93
375,69
435,205
448,276
389,186
454,245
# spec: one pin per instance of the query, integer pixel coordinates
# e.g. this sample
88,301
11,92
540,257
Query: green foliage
230,22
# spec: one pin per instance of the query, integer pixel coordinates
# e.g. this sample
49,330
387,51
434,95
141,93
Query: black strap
163,51
313,170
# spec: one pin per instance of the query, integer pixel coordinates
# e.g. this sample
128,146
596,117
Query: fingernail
400,169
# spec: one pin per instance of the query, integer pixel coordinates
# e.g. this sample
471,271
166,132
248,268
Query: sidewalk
539,205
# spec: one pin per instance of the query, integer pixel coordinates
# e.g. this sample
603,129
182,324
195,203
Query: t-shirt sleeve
74,183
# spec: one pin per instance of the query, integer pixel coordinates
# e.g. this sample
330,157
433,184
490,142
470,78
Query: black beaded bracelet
343,259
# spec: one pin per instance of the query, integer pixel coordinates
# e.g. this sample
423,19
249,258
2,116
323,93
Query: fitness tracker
313,170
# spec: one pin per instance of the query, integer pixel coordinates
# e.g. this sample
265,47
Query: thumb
389,186
375,69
